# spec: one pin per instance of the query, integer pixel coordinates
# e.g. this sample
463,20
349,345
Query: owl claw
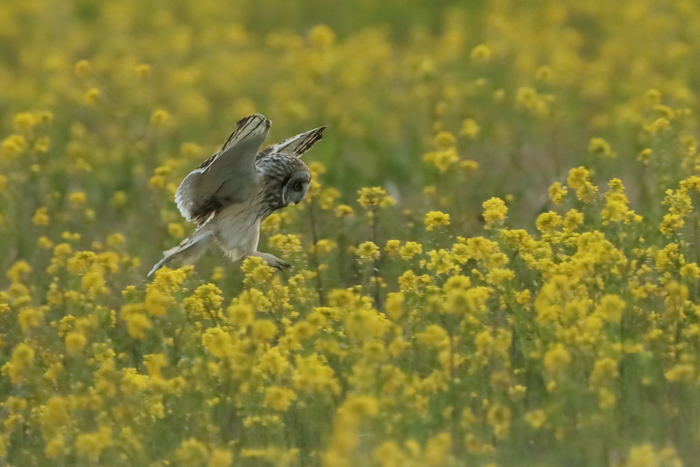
274,261
279,264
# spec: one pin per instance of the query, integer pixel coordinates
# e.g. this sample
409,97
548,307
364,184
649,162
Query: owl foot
273,260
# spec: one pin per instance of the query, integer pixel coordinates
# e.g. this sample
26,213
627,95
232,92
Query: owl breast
237,226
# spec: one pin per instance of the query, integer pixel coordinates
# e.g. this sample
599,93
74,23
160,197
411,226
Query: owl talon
280,264
274,261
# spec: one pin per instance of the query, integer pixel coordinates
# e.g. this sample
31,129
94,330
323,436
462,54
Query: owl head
294,191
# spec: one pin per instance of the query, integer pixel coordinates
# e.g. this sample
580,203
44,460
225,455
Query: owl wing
228,175
295,146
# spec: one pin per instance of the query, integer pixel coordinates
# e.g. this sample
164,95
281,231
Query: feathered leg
188,251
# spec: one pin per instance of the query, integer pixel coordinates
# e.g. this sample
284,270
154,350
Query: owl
231,193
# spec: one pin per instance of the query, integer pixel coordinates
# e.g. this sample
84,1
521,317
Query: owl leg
272,260
188,252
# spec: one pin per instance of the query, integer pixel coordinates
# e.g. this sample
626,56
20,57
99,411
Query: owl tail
188,252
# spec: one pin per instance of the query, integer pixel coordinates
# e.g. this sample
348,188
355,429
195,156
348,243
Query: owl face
295,189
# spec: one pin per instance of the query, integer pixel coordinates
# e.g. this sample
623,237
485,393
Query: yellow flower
160,117
544,74
75,342
176,230
264,329
13,146
601,147
343,211
444,140
286,243
362,406
241,314
30,318
436,219
91,96
328,197
388,454
547,222
499,418
90,445
481,53
322,36
394,305
393,247
536,418
191,453
670,224
220,458
272,223
82,68
77,199
611,308
470,128
154,363
157,302
323,246
313,375
56,447
17,270
367,252
433,336
573,219
681,373
136,324
579,180
604,373
41,216
279,398
372,198
410,249
652,97
495,211
55,413
442,159
142,70
644,156
116,239
256,269
24,122
557,192
468,166
218,342
557,359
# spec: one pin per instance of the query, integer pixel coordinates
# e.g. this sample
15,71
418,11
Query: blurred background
139,93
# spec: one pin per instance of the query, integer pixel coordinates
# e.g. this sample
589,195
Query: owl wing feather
228,175
295,146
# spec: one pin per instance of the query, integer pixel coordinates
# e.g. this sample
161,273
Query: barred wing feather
295,146
228,175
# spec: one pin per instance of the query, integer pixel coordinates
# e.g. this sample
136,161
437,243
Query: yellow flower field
496,264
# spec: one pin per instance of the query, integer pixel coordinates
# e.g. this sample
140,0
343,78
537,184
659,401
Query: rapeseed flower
426,335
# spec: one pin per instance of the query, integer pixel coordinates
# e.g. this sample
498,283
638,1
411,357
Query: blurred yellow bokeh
496,263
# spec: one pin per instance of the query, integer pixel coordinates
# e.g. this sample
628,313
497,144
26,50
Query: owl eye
297,186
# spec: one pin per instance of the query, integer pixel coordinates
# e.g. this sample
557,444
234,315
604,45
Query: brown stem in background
375,225
314,256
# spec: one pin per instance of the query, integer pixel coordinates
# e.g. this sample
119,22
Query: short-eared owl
233,191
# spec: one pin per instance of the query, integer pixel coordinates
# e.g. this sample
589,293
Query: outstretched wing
295,146
228,175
